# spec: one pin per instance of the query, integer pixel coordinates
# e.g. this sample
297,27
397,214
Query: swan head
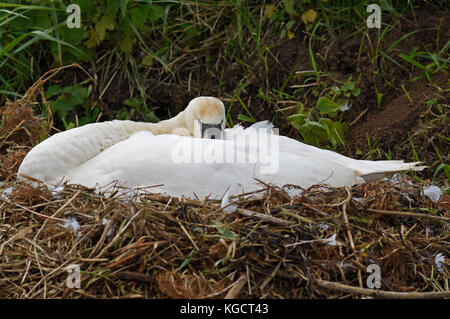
205,117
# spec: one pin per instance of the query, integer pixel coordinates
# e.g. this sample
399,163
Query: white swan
135,156
56,156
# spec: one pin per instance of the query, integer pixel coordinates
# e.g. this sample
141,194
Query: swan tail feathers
384,168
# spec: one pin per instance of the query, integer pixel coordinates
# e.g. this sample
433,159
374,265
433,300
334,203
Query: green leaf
360,220
224,231
41,19
138,17
93,39
133,102
147,60
246,118
73,36
348,86
297,120
289,24
87,7
80,94
327,106
411,60
444,166
53,39
112,6
335,131
107,22
289,5
69,126
314,133
52,91
22,23
356,91
309,16
125,43
63,105
270,11
155,13
12,44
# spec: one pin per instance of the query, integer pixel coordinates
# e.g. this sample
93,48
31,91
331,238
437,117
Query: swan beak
211,130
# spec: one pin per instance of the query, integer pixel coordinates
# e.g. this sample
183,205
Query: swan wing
64,151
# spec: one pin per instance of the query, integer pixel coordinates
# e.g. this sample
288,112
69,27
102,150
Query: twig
380,293
47,76
267,218
189,236
389,212
358,117
134,276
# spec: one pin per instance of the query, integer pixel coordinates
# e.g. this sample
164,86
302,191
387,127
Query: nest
273,246
318,244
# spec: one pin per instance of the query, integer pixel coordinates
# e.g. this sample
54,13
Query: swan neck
169,126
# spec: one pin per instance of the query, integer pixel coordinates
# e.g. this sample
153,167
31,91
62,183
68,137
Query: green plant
429,69
320,125
341,96
318,131
26,30
137,109
67,102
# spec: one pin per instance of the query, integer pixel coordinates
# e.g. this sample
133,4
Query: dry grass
274,246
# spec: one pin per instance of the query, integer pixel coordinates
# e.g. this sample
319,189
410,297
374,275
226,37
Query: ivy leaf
297,120
290,35
309,16
93,39
52,91
313,132
63,105
155,13
348,86
107,22
289,5
327,106
125,43
147,60
112,6
269,11
80,94
138,17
